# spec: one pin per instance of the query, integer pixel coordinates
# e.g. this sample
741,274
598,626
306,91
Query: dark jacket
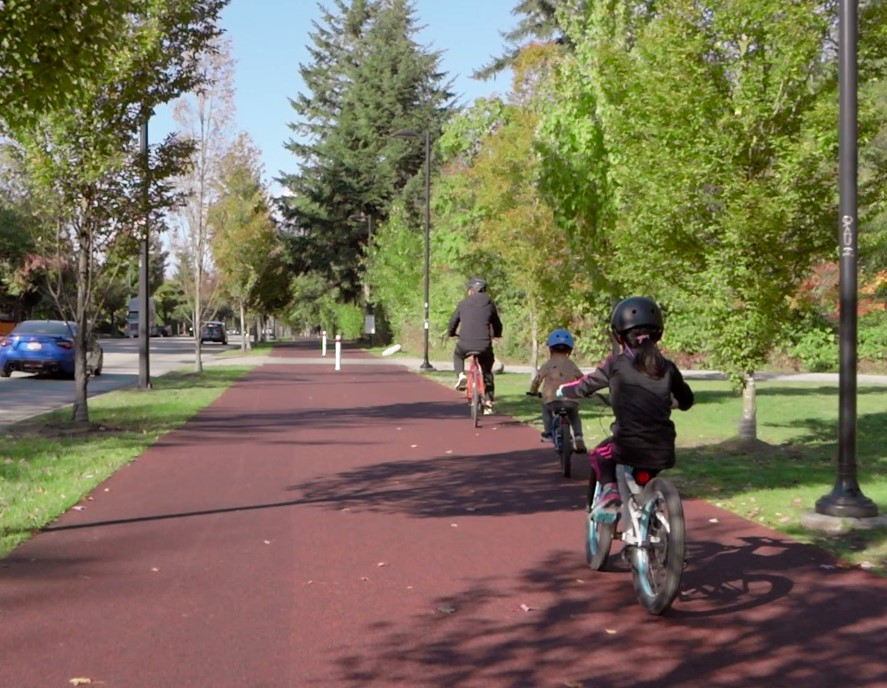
477,322
643,434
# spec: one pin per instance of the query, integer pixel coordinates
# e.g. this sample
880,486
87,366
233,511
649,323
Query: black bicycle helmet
476,284
637,312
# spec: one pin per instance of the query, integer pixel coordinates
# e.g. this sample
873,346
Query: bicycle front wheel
565,448
598,535
659,560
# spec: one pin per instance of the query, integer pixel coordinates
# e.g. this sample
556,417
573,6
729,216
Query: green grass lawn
46,466
771,481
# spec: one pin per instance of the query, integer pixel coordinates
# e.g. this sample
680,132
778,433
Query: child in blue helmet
557,370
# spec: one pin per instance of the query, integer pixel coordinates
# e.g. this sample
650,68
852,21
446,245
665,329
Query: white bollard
323,344
338,352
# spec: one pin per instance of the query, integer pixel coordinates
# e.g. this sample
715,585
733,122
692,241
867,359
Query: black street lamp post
408,133
144,273
846,499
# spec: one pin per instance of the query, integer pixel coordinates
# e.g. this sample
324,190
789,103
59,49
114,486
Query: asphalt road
24,395
350,529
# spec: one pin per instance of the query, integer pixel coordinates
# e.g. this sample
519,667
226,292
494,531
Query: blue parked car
45,346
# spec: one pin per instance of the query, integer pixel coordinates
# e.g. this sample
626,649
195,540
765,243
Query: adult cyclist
477,322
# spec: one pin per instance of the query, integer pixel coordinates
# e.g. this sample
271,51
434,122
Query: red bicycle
474,387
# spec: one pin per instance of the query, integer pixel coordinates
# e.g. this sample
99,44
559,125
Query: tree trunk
534,342
244,330
80,411
748,425
198,360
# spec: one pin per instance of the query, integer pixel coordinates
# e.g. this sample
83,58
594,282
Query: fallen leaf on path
364,578
454,525
470,508
155,569
79,508
526,607
449,451
713,520
80,681
381,563
267,542
610,631
447,609
866,565
414,445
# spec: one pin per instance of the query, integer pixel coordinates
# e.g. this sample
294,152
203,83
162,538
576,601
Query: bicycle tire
474,396
565,447
659,561
598,536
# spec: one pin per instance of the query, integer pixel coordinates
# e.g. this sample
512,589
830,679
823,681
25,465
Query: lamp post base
426,365
846,502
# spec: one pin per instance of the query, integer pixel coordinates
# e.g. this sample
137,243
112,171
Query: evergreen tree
368,79
540,20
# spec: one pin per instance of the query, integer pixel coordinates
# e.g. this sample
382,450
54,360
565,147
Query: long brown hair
647,358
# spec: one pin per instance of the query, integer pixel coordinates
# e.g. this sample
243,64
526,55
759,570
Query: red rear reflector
641,477
65,344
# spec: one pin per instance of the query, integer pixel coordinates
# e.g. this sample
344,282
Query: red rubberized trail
350,528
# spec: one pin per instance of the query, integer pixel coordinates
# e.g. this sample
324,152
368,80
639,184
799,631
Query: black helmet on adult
476,284
637,312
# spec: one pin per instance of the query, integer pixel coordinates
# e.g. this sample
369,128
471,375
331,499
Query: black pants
485,358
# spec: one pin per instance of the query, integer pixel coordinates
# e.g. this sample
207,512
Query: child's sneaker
488,407
545,437
461,382
579,444
606,507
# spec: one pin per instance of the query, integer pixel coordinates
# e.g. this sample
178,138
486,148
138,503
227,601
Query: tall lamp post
846,499
409,133
144,273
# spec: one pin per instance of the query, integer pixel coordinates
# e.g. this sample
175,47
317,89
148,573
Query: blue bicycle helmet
559,337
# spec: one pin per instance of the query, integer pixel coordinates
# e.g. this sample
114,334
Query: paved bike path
349,528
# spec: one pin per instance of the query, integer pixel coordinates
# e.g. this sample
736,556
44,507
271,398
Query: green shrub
872,332
816,349
348,320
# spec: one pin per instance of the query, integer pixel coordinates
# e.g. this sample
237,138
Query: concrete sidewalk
351,529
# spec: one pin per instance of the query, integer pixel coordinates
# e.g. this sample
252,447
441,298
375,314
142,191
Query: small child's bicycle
474,387
651,527
562,435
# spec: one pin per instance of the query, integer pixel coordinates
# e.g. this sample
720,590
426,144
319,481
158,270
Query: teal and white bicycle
650,525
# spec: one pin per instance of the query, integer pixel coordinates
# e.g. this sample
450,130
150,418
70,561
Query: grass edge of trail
48,464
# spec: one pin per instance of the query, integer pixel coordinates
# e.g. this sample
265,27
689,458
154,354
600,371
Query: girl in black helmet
644,387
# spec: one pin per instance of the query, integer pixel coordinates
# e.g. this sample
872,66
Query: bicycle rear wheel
475,400
598,535
659,560
564,447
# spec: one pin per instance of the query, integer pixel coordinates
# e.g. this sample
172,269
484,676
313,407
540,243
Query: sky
270,38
